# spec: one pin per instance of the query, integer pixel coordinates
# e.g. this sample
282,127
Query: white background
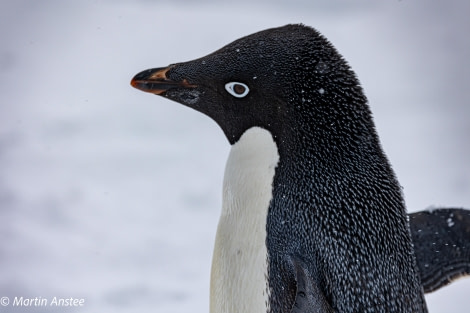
112,195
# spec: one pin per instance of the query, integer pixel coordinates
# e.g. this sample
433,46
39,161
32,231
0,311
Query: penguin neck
340,167
321,143
240,259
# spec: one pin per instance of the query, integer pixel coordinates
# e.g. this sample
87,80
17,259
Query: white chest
239,266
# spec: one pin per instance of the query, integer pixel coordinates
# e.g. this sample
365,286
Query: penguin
313,218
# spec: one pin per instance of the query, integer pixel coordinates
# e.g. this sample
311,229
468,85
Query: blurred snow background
113,195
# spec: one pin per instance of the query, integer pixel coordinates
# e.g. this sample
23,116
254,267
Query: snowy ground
112,195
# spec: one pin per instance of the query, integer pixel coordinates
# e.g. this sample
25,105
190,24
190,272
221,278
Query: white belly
240,260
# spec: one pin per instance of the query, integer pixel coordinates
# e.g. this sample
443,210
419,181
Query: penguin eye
236,89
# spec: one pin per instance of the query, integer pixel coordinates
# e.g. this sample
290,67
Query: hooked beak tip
155,81
152,80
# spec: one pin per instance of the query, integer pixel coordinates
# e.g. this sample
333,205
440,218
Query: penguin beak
155,81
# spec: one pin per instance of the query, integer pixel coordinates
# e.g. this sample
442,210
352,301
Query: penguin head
266,79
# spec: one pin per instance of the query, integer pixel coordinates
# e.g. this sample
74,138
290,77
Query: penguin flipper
441,239
308,298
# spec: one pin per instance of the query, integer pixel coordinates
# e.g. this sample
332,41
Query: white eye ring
236,89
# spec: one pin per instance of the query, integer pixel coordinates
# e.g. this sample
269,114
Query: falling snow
450,221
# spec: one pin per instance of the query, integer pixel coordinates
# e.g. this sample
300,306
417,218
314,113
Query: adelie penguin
313,217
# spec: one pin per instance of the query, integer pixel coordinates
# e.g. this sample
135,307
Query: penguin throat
240,261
